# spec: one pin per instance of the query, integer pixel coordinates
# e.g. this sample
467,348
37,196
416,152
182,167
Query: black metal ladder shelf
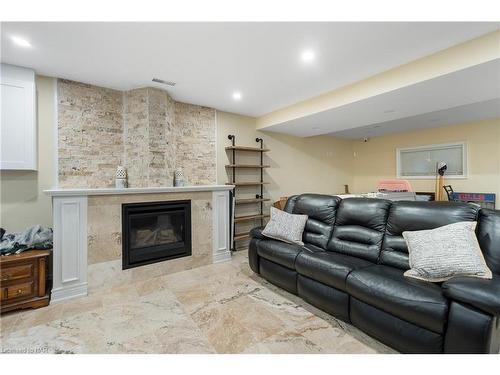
259,198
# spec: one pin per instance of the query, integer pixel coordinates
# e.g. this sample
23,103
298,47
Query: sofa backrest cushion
321,210
359,227
411,216
290,203
488,235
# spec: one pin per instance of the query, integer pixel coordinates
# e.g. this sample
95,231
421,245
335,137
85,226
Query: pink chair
394,185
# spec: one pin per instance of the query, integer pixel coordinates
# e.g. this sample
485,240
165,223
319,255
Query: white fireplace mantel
148,190
70,231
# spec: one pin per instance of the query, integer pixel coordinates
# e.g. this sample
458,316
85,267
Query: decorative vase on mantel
178,177
121,177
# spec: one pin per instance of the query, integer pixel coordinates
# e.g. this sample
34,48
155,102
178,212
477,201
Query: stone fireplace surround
87,235
142,129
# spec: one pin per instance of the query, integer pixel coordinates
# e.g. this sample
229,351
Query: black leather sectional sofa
352,265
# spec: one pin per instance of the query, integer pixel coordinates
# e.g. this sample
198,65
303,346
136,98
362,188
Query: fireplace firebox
155,231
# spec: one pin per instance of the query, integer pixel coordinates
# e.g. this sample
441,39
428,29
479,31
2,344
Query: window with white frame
421,162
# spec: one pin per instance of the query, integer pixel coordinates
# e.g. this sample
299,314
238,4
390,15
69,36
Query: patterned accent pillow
285,227
439,254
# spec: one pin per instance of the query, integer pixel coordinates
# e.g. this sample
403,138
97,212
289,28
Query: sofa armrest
257,233
481,293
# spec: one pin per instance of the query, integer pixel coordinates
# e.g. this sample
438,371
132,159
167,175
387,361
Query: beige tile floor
219,308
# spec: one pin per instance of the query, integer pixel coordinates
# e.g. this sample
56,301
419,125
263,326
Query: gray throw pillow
285,227
439,254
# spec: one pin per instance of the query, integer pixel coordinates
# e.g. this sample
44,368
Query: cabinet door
18,120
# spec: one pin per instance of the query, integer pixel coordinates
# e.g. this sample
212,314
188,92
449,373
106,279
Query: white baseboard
62,294
222,257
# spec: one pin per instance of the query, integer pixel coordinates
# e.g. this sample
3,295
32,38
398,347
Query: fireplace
155,231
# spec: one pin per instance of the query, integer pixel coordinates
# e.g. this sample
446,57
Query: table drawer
22,271
24,290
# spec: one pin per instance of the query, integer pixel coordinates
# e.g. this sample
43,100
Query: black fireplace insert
155,231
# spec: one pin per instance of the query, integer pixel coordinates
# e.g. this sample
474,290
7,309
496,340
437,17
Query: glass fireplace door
156,231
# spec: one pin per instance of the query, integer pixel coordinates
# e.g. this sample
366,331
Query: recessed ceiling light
308,56
237,95
21,42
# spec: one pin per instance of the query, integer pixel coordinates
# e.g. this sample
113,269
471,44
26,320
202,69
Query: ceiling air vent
167,83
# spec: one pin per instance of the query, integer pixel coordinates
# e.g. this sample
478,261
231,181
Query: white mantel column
221,226
70,247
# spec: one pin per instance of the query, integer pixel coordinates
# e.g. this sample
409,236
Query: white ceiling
451,98
211,60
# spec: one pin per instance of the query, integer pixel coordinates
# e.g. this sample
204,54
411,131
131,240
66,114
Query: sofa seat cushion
327,267
418,302
279,252
312,248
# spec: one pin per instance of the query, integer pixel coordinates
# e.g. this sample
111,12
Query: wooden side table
23,280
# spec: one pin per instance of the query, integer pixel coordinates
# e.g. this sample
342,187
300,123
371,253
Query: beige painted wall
376,159
23,202
298,165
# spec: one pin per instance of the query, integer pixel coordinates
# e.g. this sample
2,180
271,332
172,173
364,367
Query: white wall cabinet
18,126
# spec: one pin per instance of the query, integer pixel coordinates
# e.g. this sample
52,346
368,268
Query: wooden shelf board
247,166
247,183
249,217
245,148
251,200
241,236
